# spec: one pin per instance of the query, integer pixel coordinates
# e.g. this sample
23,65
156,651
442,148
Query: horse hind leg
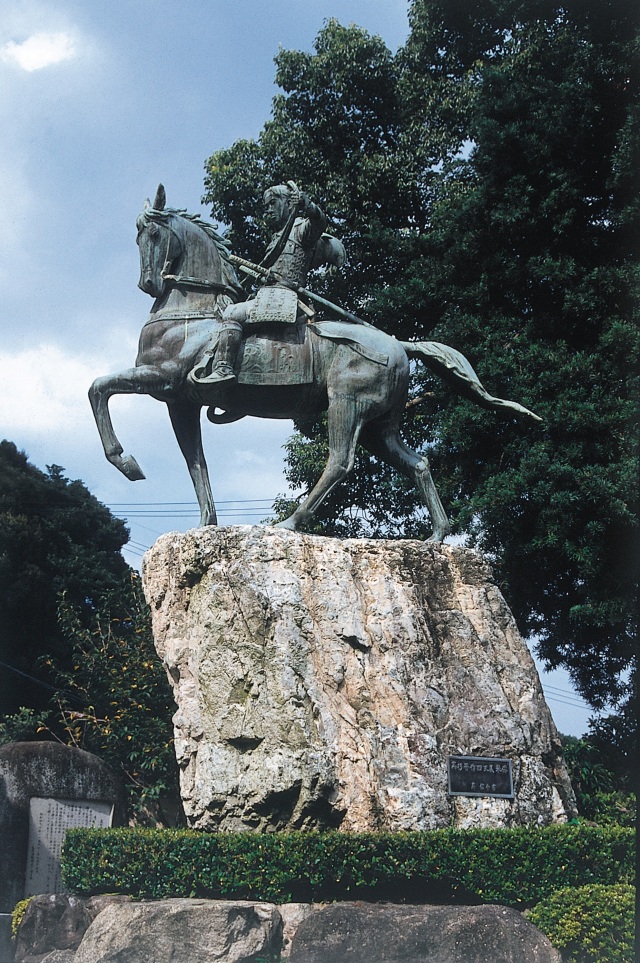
345,421
383,441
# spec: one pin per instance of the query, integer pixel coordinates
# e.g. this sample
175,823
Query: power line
45,685
233,501
225,513
571,705
566,694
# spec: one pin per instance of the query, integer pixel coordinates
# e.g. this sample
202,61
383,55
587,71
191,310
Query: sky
100,102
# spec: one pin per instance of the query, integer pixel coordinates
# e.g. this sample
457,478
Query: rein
182,316
179,279
185,280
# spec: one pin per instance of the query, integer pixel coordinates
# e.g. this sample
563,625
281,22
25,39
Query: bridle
179,280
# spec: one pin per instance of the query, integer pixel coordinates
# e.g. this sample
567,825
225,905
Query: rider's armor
276,302
293,264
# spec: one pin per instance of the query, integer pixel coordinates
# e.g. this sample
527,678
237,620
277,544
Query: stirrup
219,372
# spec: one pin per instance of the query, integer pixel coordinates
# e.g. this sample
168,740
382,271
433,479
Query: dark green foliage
72,616
115,700
533,256
25,725
484,180
55,537
516,867
589,924
600,774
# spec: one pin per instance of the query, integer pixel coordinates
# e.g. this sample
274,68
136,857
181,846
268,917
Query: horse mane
223,247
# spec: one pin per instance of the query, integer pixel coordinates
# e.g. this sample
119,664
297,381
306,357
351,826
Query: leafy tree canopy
484,180
112,698
55,538
115,700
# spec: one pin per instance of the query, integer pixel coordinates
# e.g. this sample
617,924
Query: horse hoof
287,524
438,537
131,468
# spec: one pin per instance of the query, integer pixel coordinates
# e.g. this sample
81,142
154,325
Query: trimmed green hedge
518,867
589,924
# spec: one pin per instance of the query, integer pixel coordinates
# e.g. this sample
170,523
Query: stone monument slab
49,820
45,788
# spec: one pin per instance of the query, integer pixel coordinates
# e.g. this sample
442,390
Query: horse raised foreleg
383,441
344,423
142,381
185,418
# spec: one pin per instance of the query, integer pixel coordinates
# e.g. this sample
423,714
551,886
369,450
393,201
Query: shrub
25,725
18,912
589,924
599,772
518,867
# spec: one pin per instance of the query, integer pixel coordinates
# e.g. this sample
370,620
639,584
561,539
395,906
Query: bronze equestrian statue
287,364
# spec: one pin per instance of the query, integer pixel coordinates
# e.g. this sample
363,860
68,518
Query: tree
602,778
55,537
535,256
76,634
483,179
114,699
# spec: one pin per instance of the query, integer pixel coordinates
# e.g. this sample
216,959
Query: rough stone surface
323,683
188,930
371,933
47,770
56,923
195,931
292,914
52,922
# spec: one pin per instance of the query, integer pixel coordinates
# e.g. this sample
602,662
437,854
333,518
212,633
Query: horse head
182,250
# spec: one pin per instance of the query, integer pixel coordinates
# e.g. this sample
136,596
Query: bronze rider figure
298,224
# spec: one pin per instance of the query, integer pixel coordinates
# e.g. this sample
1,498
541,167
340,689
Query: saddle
282,354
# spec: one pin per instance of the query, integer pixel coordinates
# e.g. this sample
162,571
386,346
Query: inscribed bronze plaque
480,776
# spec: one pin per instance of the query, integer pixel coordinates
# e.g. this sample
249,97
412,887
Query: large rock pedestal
323,683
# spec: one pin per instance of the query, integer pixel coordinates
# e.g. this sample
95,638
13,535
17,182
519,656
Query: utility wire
234,501
554,692
45,685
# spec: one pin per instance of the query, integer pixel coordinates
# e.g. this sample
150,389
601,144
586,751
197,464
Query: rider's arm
315,221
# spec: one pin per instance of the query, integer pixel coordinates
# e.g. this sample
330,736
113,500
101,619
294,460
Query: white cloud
44,390
39,50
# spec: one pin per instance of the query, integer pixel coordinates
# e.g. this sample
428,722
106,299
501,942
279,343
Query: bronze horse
360,374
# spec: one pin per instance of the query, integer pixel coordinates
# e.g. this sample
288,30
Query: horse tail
456,370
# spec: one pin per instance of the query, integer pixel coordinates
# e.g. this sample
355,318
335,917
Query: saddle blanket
283,354
280,355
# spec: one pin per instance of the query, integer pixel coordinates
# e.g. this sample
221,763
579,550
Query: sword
260,272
